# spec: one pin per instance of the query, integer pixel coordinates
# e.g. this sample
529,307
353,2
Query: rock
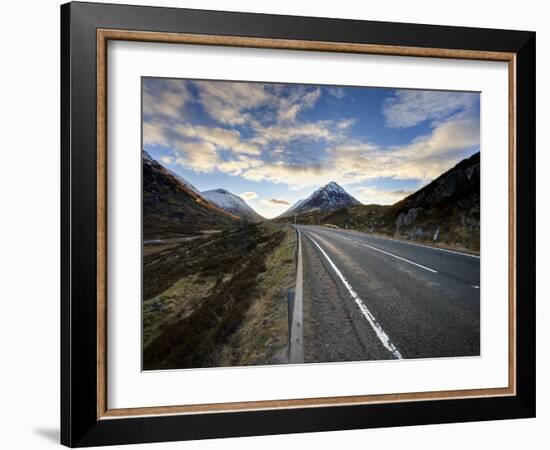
407,218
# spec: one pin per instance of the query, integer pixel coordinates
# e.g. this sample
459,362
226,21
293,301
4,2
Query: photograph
292,223
284,222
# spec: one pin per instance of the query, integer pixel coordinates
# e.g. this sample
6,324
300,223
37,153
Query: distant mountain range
233,204
446,210
330,197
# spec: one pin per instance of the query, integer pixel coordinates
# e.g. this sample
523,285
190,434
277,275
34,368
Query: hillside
173,207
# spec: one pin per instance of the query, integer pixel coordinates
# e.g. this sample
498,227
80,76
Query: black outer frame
79,423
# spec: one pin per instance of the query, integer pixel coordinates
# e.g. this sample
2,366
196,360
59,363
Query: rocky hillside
446,210
173,207
233,204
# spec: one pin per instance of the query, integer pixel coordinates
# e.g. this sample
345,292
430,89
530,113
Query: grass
264,330
219,300
150,249
176,303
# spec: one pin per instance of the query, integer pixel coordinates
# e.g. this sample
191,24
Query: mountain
233,204
444,211
174,207
330,197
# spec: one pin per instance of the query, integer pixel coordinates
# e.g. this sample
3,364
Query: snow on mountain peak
329,197
232,203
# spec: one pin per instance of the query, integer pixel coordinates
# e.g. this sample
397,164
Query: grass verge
219,300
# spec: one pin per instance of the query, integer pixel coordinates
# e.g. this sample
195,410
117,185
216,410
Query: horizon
274,144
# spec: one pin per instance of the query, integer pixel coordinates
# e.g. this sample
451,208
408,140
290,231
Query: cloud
411,107
346,123
249,195
371,195
320,130
233,103
353,161
167,159
336,91
346,161
200,148
200,156
276,201
204,157
222,138
230,102
164,98
154,134
271,207
299,99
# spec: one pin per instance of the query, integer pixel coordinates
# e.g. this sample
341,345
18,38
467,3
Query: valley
216,274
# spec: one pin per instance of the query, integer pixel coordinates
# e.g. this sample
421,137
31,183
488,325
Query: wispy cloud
164,98
371,195
221,138
249,195
277,201
411,107
231,102
336,91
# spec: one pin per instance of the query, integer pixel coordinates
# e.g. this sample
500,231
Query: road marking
397,257
430,247
389,254
475,287
408,243
384,338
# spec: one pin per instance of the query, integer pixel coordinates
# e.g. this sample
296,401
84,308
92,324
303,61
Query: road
373,298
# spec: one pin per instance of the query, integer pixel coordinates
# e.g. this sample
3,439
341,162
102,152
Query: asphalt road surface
372,298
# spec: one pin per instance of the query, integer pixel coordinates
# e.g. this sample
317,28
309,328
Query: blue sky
273,144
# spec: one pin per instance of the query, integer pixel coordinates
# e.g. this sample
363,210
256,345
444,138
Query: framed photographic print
276,224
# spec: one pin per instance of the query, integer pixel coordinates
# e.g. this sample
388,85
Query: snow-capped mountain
330,197
233,204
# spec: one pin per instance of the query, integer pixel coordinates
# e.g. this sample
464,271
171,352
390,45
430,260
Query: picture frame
86,418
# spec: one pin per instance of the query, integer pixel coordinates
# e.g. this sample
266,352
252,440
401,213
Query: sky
274,144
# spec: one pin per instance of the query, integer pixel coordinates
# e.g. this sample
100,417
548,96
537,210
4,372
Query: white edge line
380,333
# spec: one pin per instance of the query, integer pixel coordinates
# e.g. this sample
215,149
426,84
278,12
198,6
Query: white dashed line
388,253
380,333
431,247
